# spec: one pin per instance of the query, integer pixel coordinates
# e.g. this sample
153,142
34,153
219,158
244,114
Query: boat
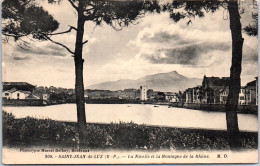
156,106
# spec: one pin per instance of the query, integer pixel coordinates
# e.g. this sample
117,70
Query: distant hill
166,82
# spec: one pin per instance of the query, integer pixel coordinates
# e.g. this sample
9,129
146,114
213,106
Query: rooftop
18,85
216,81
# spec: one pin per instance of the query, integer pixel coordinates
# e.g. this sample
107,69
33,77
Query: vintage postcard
129,81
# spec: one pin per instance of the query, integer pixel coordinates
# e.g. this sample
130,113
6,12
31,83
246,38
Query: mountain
166,82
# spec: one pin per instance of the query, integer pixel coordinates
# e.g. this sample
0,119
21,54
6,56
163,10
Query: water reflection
140,114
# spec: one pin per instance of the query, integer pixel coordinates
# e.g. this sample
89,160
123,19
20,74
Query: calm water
140,114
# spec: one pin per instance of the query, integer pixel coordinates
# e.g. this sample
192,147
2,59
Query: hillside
167,82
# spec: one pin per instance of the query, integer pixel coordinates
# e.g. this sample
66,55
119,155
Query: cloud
154,45
188,54
171,44
17,58
250,50
49,49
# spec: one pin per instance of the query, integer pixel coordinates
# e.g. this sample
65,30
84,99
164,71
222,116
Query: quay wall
23,102
251,109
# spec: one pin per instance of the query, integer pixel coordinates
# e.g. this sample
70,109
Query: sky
155,44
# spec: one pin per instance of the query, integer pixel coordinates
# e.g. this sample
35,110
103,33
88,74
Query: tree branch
16,36
61,45
87,10
71,27
73,5
85,42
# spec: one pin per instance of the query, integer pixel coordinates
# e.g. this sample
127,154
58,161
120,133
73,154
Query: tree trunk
79,86
235,71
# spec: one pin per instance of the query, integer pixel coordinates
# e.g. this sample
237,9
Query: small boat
156,106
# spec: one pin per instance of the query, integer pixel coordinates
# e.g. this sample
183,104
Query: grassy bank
35,132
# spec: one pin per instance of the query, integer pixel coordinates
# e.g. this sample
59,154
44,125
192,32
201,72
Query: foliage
30,131
252,29
24,17
190,9
38,132
58,96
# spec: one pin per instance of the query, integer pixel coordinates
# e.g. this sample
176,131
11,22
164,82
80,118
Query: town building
223,95
188,94
251,94
99,94
242,96
18,91
196,94
169,96
24,86
15,94
131,93
215,90
45,96
193,95
143,93
212,87
152,95
174,98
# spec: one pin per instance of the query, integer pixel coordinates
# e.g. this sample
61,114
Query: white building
45,96
174,99
242,97
16,94
196,94
143,93
223,95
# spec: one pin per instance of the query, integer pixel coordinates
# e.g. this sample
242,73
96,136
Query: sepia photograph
129,81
